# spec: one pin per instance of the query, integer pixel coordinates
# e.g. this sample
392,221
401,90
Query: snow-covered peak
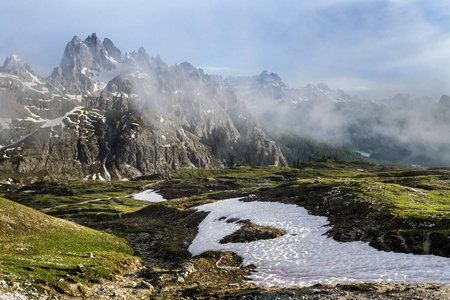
12,61
15,57
17,66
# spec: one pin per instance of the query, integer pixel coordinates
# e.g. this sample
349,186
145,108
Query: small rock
79,268
145,284
180,279
91,255
251,197
187,268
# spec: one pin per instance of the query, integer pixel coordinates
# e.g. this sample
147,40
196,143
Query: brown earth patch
252,232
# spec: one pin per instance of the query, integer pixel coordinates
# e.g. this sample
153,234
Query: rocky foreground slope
104,115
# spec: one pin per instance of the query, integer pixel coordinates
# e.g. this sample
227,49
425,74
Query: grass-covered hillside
43,251
394,209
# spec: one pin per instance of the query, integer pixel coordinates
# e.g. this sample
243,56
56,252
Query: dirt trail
95,200
65,205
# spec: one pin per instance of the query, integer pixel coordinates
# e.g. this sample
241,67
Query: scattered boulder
145,285
187,268
251,197
79,268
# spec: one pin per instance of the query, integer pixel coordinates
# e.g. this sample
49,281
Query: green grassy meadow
66,236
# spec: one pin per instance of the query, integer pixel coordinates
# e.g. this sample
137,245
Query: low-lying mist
403,128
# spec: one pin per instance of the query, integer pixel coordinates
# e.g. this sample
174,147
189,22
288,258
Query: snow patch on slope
104,76
5,122
149,195
45,123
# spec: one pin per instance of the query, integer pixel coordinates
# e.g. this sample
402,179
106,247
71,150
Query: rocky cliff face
101,115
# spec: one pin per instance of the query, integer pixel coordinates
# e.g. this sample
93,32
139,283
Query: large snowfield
304,255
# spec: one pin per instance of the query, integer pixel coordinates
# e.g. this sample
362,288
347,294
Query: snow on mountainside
26,96
104,115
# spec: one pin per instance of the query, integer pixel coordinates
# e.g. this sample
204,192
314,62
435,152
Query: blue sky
374,49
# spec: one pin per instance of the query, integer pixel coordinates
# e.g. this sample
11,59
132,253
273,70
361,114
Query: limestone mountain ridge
104,115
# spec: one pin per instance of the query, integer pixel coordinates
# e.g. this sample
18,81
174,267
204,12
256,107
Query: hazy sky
371,48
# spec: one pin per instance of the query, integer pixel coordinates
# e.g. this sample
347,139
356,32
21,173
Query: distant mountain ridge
404,128
104,115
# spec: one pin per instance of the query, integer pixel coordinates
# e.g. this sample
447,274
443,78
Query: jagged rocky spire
83,61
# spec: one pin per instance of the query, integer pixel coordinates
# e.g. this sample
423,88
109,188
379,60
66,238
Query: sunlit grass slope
48,251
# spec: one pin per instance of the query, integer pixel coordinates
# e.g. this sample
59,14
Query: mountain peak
76,40
172,117
323,86
266,73
17,66
112,50
13,59
92,40
84,61
267,78
142,52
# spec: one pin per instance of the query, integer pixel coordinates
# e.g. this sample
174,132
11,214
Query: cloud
384,44
391,44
